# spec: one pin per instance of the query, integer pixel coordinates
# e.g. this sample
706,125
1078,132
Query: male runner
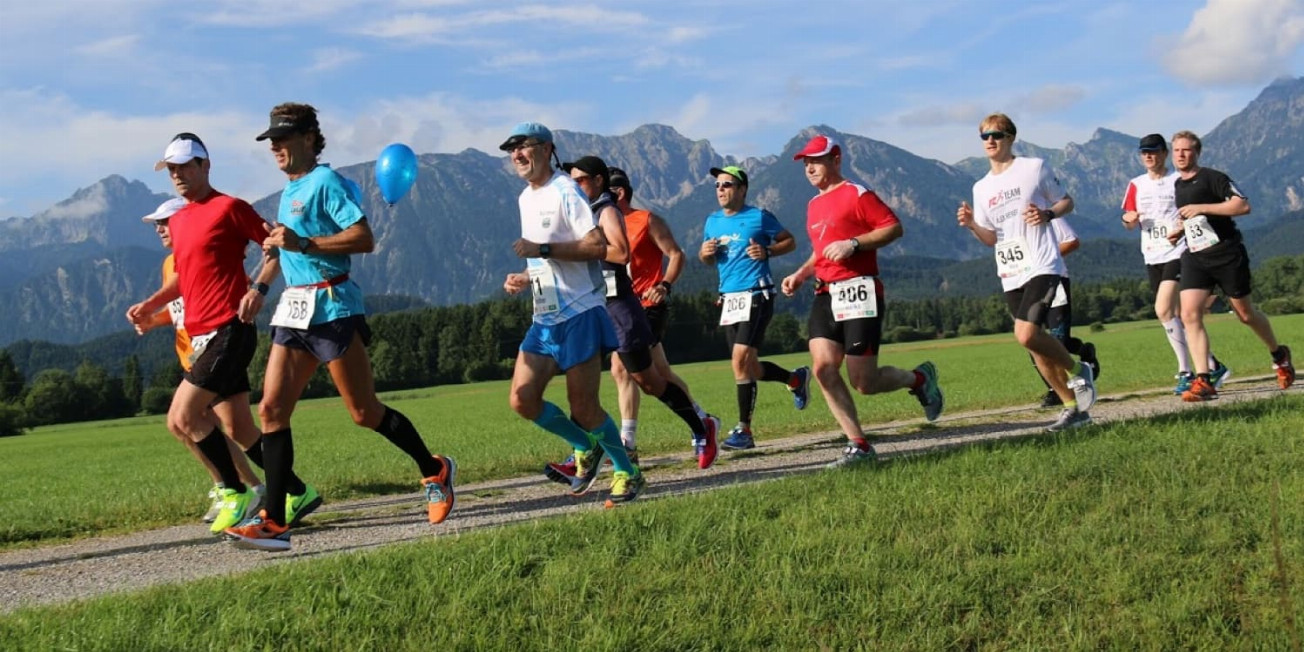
563,244
1207,201
655,263
740,240
209,235
320,319
1012,209
848,224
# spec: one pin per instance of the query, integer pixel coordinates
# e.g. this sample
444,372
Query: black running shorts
1225,266
857,336
222,365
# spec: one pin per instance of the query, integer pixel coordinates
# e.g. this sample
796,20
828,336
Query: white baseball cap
165,210
181,150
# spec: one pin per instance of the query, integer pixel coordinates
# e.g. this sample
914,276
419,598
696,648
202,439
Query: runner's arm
783,243
665,240
593,246
613,230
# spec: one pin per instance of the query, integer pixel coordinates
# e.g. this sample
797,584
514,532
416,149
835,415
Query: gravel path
93,567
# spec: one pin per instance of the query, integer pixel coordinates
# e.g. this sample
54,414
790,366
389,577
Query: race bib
543,285
1154,238
1012,258
1199,235
295,308
177,312
198,344
854,299
737,308
609,276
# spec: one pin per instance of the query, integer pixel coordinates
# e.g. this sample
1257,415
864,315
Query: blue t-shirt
321,203
733,233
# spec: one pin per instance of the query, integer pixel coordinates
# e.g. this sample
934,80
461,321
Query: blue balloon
396,171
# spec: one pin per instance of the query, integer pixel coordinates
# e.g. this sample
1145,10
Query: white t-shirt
1063,233
1155,200
1022,250
558,211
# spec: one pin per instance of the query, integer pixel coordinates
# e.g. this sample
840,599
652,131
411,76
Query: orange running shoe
439,491
259,533
1285,370
1201,390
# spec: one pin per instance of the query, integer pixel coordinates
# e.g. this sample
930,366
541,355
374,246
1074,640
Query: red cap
818,146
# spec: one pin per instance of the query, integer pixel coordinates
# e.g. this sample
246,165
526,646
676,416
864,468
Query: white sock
628,431
1177,339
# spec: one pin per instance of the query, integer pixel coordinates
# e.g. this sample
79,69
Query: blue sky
90,88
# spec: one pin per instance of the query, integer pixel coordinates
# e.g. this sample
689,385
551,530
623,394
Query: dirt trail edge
98,566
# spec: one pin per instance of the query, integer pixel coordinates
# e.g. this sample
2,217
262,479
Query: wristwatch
304,245
545,250
664,285
260,287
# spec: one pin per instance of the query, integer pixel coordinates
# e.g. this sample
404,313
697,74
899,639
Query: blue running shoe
740,439
800,393
1219,375
930,393
1184,380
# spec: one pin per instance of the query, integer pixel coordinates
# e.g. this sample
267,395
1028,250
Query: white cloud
427,27
1237,42
263,14
114,47
327,59
684,34
94,202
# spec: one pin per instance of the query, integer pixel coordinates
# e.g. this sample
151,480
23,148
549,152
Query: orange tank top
645,257
177,312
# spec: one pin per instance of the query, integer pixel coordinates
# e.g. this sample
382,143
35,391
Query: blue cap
526,131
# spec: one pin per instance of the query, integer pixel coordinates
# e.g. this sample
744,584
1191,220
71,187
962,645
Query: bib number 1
543,286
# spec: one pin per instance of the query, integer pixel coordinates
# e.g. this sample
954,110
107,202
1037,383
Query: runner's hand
790,284
250,304
840,250
964,215
525,249
654,295
756,251
281,237
709,248
1034,216
516,282
1176,234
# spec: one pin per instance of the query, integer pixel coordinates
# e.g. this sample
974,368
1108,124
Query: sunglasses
726,184
993,135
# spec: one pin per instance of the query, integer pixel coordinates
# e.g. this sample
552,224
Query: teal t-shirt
737,271
321,203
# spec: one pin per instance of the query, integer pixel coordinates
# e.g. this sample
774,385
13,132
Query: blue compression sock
608,436
556,422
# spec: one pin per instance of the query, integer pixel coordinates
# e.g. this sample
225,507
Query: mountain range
70,272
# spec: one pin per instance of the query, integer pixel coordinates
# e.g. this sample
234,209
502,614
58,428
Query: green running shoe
625,487
297,507
236,507
930,393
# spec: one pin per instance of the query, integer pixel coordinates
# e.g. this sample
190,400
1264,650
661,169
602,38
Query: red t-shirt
645,256
841,214
208,241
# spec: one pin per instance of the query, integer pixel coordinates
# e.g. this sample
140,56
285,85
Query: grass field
88,479
1183,531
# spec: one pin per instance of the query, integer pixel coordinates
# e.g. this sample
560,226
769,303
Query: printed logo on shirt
1004,196
546,221
296,207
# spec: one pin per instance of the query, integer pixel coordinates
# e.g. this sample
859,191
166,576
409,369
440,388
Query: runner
320,319
655,263
1150,204
740,240
1059,319
1012,208
1207,201
562,244
848,224
174,315
209,235
634,359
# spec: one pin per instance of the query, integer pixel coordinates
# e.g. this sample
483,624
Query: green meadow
1183,531
115,476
